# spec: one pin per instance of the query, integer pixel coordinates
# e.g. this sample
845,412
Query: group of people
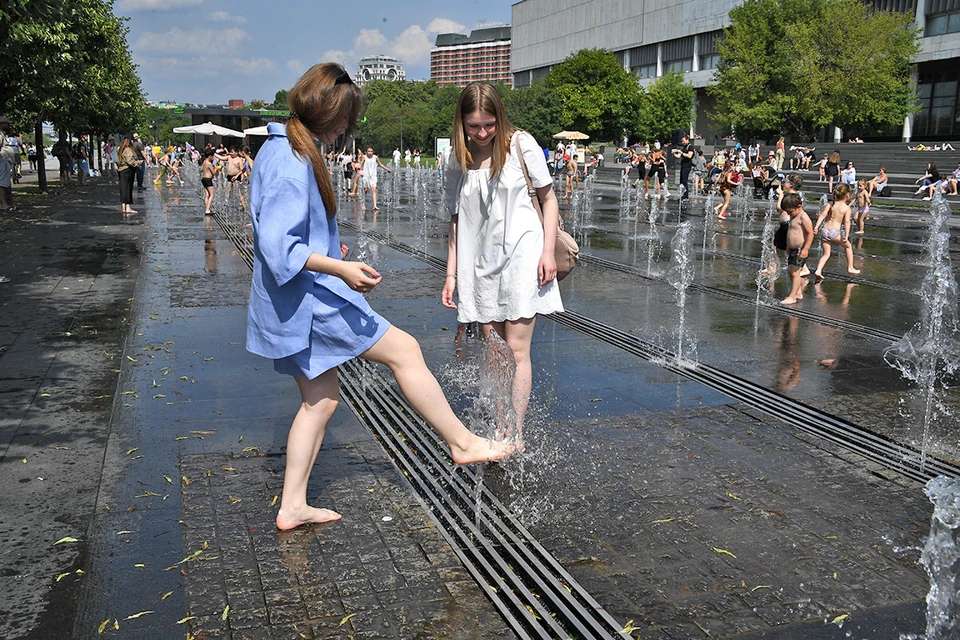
307,311
360,172
933,182
797,232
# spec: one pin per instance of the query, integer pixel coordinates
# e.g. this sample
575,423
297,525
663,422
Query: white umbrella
571,135
209,129
256,131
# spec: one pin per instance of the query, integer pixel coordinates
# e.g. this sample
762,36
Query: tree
256,104
795,66
667,106
280,100
536,109
598,95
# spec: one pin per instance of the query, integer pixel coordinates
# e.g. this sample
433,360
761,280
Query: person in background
128,161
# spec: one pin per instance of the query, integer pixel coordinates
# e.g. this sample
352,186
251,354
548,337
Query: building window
646,71
709,61
680,66
937,25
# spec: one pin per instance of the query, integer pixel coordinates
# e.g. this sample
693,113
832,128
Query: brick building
483,55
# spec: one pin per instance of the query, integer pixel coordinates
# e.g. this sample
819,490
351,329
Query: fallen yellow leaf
629,627
664,520
103,625
137,615
188,618
724,552
64,540
226,612
840,619
274,501
129,451
62,576
346,619
166,595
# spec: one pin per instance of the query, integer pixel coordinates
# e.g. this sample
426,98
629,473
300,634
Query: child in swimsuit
799,239
833,224
863,206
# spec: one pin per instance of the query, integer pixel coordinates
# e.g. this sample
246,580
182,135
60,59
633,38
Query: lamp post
156,131
401,132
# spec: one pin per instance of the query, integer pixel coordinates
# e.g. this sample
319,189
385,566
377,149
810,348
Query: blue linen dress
306,322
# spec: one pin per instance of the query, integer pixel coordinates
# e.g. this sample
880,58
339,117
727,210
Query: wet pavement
677,507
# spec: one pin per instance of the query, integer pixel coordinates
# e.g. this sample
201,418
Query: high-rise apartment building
483,55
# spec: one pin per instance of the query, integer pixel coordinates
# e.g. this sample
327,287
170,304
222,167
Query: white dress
370,171
500,239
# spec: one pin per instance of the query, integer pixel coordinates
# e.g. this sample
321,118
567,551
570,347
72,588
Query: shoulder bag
565,249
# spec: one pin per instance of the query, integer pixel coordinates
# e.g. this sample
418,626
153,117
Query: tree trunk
41,157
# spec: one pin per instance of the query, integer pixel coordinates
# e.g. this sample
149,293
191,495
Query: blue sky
209,51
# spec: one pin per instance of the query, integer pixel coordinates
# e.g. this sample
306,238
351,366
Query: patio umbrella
209,129
571,135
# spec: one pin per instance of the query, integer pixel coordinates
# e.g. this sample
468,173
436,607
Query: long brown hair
482,97
321,100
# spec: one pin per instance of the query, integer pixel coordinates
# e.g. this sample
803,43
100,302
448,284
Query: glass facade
938,116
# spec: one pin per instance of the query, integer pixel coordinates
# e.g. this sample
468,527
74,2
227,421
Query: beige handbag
565,249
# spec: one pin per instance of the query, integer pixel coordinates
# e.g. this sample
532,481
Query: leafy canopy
796,66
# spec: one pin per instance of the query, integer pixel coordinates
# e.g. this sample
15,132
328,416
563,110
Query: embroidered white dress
500,239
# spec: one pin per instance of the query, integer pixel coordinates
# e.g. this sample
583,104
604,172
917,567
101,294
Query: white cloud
192,42
370,40
412,46
223,16
155,5
255,66
296,66
444,25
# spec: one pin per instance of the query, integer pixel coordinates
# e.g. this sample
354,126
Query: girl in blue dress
306,309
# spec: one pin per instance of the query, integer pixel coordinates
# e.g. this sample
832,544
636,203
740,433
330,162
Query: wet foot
130,213
305,515
804,272
853,271
482,450
819,275
789,301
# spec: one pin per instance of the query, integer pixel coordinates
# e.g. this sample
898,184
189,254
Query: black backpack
886,192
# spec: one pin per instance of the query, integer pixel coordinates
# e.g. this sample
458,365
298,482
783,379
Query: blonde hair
319,102
841,191
481,97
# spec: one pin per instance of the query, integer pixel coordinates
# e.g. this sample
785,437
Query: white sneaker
926,197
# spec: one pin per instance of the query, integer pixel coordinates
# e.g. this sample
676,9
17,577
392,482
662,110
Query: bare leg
825,250
207,198
320,397
518,334
401,352
849,249
373,192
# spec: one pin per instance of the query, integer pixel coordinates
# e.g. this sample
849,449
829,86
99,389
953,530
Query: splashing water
769,260
680,276
941,559
929,353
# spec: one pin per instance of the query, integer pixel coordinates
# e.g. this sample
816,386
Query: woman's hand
344,251
547,268
359,276
446,296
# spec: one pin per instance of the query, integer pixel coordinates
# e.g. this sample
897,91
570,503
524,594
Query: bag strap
531,191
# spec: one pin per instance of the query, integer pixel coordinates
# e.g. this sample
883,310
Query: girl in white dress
499,260
370,164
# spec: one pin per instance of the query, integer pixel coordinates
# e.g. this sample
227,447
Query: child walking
863,206
833,225
799,239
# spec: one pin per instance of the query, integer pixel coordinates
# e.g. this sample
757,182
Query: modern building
379,68
457,59
653,37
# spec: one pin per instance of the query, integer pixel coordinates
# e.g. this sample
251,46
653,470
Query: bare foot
306,515
482,450
819,275
130,213
853,271
804,272
789,301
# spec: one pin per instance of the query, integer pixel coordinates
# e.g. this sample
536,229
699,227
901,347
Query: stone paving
675,507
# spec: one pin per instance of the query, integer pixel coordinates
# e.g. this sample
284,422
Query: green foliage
536,109
799,65
280,100
667,105
599,96
68,65
158,124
